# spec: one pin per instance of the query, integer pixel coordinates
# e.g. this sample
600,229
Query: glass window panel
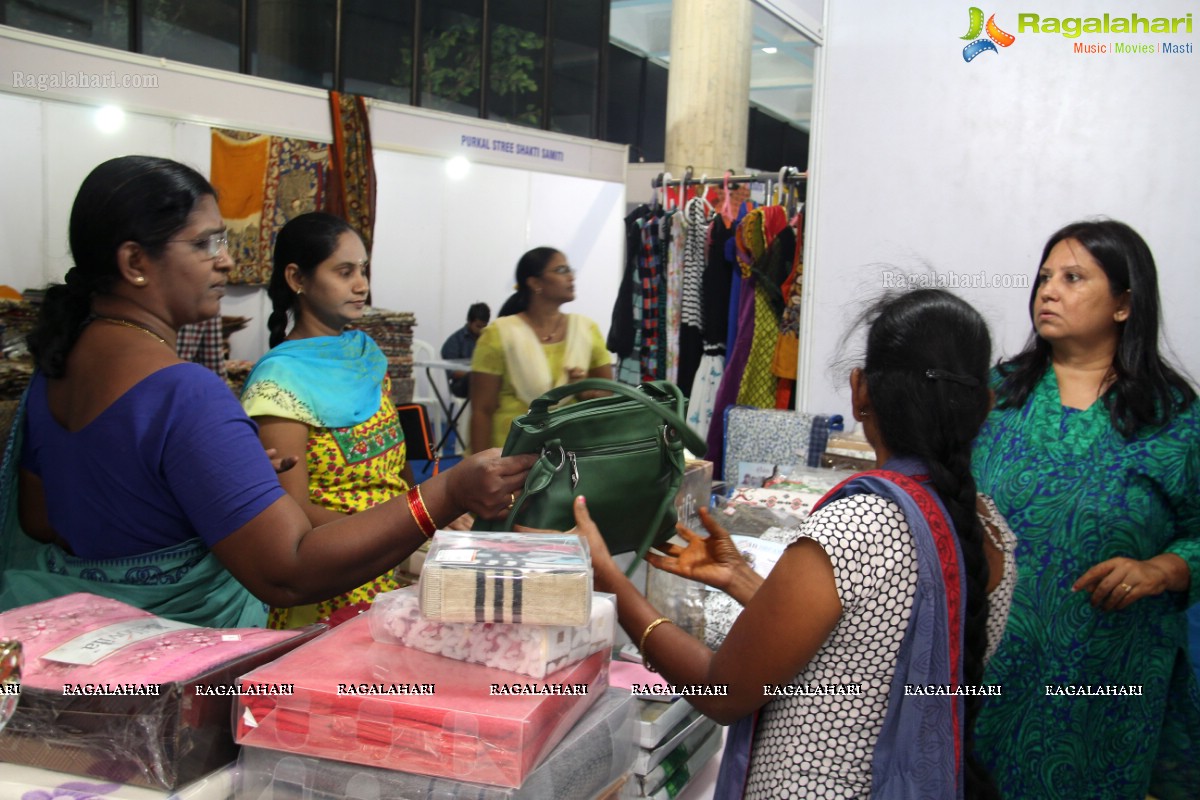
575,72
292,40
451,54
377,47
654,113
624,99
103,22
205,32
516,61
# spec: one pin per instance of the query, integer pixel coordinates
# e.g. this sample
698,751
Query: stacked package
111,691
393,332
675,742
492,671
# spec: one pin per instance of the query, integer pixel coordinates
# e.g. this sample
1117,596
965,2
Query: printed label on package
94,646
457,555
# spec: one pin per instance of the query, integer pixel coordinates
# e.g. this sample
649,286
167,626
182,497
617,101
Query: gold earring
139,280
299,291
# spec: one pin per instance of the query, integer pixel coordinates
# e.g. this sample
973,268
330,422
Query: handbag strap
540,408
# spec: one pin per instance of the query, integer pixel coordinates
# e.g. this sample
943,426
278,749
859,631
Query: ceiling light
109,119
770,50
457,168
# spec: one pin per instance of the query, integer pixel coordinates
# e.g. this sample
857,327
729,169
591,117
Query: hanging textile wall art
262,182
352,165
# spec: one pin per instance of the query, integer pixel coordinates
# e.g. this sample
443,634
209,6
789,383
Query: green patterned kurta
1076,493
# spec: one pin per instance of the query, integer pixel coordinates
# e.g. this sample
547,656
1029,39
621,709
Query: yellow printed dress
349,470
355,454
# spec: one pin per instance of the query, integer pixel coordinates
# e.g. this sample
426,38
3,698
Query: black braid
935,416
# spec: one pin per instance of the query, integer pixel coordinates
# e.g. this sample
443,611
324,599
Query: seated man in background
461,345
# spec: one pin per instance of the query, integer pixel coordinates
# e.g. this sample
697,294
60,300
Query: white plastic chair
423,393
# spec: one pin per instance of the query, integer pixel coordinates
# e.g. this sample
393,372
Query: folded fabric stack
669,757
112,692
533,650
538,579
596,754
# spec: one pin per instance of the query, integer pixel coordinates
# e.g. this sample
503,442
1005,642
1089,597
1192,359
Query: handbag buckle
562,457
669,435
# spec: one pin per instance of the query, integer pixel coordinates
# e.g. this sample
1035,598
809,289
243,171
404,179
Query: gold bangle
642,646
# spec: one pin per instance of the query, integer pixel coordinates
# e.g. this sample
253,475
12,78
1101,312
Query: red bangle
416,505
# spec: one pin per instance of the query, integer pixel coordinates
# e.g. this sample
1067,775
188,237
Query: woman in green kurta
1093,455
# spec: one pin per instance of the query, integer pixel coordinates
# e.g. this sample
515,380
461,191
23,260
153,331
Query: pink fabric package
111,691
364,702
533,650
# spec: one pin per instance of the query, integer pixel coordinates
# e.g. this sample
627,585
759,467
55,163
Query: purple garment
172,459
731,381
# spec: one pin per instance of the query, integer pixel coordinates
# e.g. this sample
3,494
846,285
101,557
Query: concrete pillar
708,88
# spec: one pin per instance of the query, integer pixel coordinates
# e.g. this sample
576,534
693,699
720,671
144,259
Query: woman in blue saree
136,476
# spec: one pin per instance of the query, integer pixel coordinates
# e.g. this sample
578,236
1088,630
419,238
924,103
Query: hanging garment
787,351
717,283
704,395
621,331
650,277
673,242
757,236
352,166
691,318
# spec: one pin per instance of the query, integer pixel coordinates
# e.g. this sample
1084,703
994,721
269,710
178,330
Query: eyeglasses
562,269
212,245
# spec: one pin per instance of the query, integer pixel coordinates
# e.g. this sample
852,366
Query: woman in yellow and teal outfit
324,391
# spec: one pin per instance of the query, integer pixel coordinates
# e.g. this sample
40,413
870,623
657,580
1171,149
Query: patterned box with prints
768,436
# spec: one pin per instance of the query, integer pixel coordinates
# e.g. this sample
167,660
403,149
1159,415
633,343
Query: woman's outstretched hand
713,560
485,484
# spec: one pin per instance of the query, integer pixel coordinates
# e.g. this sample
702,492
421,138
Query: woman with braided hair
324,391
138,476
853,671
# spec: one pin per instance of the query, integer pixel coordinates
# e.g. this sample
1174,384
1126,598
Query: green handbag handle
541,406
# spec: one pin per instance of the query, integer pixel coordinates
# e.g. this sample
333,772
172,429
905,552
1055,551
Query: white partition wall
924,162
441,242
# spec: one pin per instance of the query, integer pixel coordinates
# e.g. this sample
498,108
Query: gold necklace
554,330
135,326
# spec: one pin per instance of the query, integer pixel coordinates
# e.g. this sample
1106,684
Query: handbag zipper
631,447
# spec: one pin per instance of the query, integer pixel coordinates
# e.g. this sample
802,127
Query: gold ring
1126,587
512,499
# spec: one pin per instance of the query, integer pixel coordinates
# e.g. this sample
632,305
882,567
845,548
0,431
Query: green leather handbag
624,453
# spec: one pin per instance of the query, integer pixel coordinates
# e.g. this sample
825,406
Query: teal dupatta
184,582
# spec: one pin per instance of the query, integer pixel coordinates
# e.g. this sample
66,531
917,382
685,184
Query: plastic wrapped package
656,720
594,755
364,702
534,650
534,578
113,692
33,783
676,771
689,732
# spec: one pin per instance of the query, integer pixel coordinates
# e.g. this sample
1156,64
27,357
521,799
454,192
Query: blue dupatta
322,381
919,752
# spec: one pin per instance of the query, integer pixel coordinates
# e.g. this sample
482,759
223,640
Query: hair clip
943,375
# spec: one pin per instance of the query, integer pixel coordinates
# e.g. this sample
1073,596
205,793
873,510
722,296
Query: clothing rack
788,175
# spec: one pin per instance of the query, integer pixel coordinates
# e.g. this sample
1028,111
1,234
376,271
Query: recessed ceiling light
770,50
